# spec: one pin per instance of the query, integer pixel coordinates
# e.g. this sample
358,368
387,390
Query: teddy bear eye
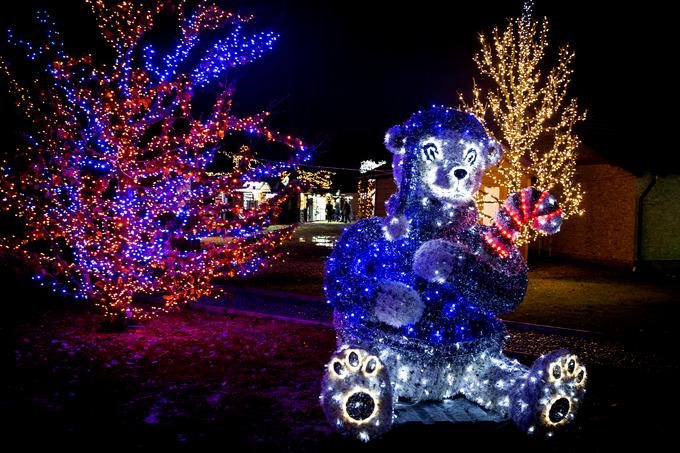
471,156
430,151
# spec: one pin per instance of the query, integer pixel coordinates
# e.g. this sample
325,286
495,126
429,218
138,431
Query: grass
615,307
188,379
302,271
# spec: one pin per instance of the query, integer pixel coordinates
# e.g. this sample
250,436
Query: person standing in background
329,210
347,212
342,209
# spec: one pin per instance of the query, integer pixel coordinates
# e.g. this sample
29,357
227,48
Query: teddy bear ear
394,140
494,152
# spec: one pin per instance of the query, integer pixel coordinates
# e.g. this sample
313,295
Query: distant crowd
340,211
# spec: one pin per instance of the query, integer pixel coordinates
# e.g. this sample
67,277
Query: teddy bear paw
551,394
397,304
356,395
437,260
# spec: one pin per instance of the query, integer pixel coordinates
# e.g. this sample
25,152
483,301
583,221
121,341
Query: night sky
345,71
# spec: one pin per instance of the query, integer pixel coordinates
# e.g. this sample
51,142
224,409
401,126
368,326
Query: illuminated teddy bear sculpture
416,294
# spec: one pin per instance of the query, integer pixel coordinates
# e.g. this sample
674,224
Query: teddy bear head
439,158
442,153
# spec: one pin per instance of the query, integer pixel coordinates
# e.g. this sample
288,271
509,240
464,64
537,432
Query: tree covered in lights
526,106
112,181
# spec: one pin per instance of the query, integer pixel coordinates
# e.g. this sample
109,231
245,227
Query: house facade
629,220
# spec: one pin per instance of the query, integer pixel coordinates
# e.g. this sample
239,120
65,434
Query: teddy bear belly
418,338
434,332
449,317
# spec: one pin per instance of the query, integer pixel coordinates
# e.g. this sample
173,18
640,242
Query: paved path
456,410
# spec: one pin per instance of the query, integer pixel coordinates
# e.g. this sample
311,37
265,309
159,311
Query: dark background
345,71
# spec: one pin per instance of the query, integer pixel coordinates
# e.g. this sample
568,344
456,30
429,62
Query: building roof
255,186
588,156
638,167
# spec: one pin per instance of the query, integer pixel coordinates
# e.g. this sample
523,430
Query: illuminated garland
527,109
365,192
111,182
323,179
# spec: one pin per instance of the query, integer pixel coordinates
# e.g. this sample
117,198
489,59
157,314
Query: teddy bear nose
460,173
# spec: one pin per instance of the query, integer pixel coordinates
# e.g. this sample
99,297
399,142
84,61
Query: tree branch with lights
527,108
112,182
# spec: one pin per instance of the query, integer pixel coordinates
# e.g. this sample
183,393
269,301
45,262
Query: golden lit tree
524,103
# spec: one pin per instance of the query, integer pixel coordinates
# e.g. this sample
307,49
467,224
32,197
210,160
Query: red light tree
112,181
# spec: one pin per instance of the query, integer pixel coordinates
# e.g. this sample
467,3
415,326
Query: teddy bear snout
442,179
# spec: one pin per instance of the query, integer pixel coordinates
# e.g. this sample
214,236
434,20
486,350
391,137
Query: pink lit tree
112,182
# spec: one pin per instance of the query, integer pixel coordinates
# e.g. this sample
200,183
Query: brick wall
606,232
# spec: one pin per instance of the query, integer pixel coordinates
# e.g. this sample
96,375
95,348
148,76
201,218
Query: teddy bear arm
349,284
498,285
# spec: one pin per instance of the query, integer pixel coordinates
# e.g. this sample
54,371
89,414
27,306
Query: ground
204,380
190,378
